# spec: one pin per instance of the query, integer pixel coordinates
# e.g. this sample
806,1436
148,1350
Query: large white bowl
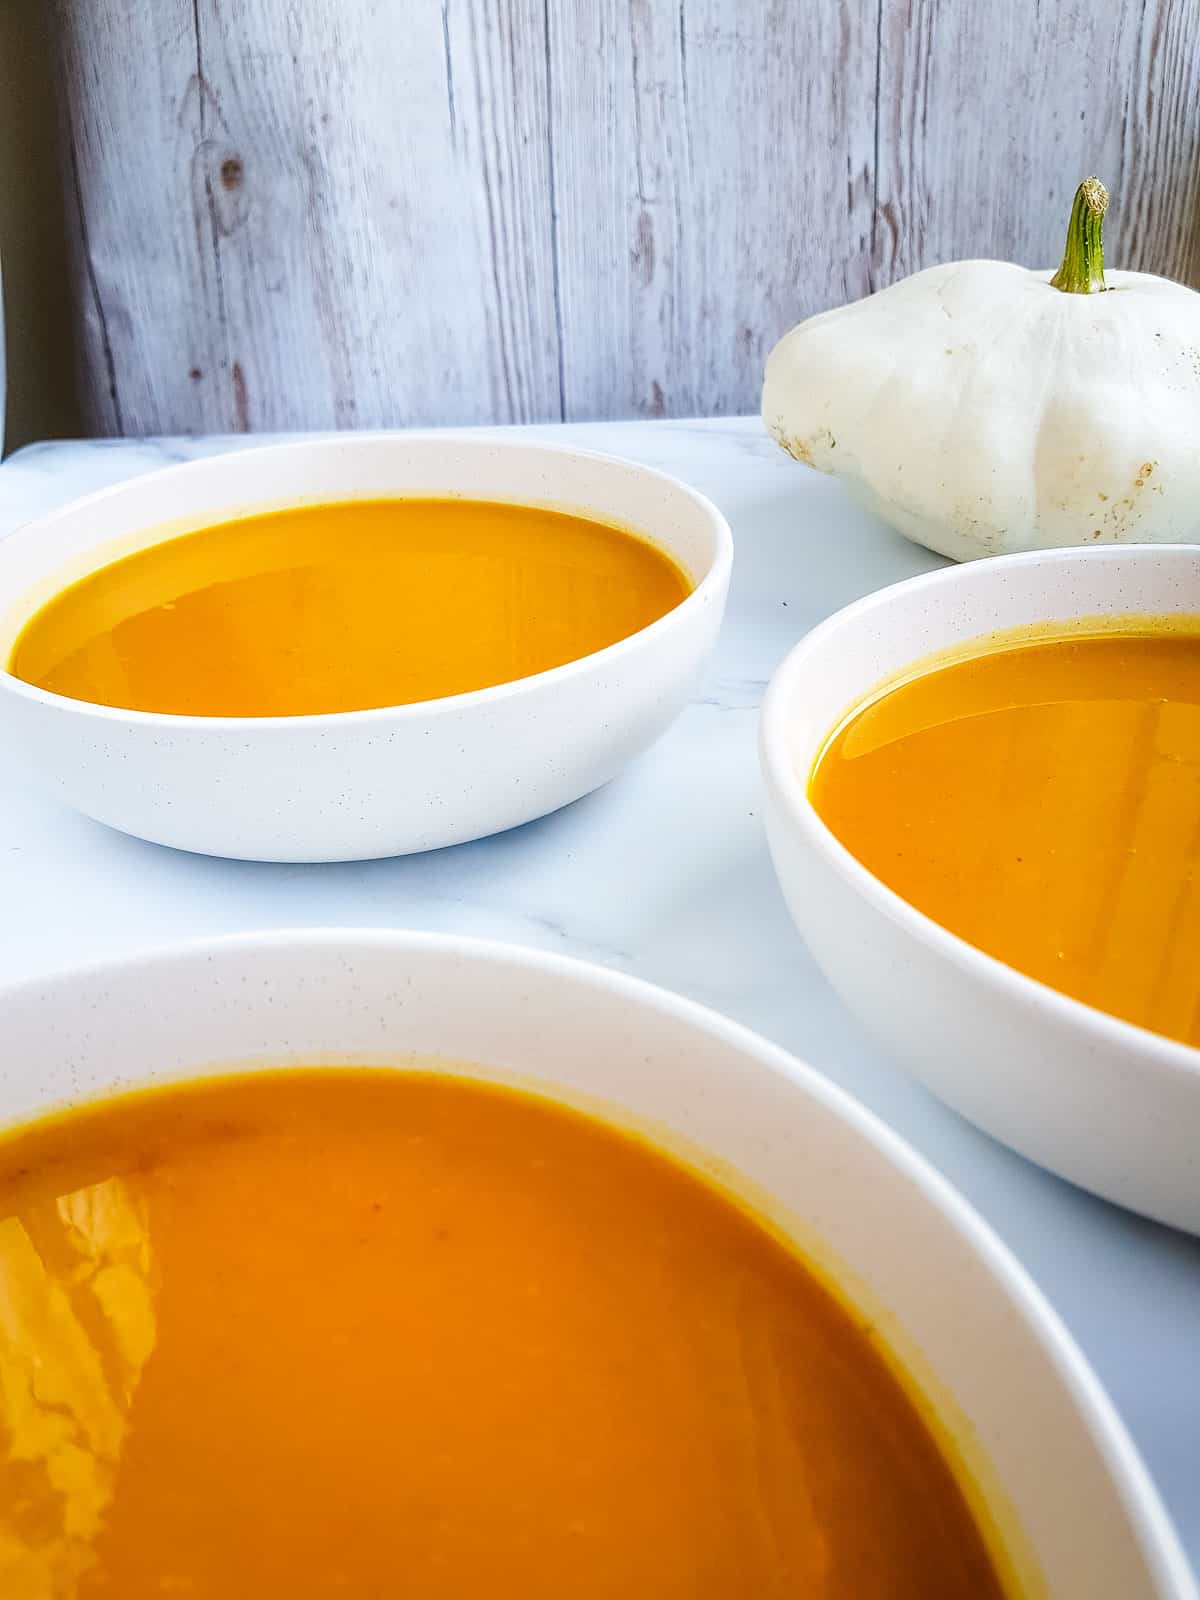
365,783
1111,1106
1063,1494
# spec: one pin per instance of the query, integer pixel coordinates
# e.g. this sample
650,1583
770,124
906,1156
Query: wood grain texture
991,115
289,214
693,223
306,215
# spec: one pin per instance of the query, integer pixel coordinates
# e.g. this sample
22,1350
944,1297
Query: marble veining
664,873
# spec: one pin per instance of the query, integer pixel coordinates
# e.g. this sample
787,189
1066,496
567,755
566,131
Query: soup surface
343,607
372,1333
1043,801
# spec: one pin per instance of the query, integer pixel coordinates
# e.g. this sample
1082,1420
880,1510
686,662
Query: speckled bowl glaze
1052,1474
366,783
1106,1104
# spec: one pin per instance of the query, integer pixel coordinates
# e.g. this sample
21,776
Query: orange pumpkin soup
1042,800
351,1331
346,606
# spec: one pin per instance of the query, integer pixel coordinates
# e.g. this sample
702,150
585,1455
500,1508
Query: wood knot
233,172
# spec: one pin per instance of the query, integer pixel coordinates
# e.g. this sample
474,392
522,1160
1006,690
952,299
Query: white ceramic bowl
366,783
1102,1102
1067,1501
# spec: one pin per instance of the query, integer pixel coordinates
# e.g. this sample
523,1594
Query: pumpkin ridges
979,414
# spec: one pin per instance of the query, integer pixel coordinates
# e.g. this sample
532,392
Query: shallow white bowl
1102,1102
1068,1504
365,783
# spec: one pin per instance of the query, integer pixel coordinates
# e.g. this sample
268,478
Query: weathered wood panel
692,219
295,214
991,115
308,215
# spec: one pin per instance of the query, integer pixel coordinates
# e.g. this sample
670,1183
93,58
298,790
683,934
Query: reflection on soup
347,606
371,1333
1042,800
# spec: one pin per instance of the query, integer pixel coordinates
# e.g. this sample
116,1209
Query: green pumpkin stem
1082,270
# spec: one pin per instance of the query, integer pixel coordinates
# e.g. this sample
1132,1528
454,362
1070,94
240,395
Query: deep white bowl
1111,1106
364,783
1063,1494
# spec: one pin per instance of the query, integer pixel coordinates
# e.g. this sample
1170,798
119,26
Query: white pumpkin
981,408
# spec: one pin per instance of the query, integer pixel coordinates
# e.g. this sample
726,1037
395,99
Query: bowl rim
1150,1523
1168,1055
709,589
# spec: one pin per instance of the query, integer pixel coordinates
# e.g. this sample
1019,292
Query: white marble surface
664,873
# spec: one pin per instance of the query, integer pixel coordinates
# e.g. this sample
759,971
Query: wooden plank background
302,214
